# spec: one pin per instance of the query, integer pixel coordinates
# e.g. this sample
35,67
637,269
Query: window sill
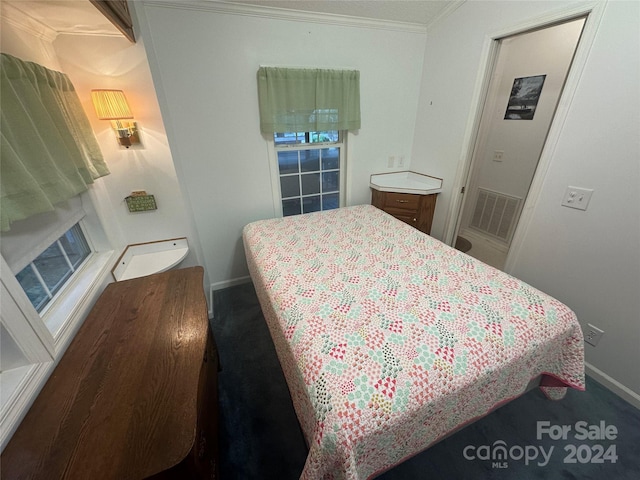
20,386
78,298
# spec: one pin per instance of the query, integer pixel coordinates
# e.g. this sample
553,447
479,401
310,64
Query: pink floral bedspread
390,339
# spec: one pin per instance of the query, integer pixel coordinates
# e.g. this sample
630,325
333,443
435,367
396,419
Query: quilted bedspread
390,339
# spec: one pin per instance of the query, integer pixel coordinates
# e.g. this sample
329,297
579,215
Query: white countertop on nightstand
406,182
141,259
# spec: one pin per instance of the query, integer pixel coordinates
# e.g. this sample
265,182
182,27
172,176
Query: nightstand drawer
411,219
401,201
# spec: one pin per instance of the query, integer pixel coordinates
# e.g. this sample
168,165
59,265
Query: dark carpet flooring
260,437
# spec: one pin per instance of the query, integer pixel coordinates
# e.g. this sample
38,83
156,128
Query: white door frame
594,11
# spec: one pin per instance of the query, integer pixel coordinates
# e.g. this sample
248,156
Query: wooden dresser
134,395
408,196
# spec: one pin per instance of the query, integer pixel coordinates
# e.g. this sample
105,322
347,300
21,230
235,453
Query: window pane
75,245
288,162
298,138
330,201
288,138
53,267
310,160
310,183
291,207
32,287
50,270
328,136
290,186
311,204
309,177
330,158
330,181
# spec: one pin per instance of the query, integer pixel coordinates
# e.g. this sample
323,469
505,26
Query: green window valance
48,151
308,100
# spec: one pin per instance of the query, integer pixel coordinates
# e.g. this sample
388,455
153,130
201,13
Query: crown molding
452,7
22,21
222,7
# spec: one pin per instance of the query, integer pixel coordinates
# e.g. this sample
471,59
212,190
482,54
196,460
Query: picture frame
524,97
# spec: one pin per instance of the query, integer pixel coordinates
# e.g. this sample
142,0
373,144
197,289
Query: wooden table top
122,402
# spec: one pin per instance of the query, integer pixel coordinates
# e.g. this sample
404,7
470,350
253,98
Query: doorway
529,72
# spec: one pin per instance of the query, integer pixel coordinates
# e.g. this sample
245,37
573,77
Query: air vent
495,214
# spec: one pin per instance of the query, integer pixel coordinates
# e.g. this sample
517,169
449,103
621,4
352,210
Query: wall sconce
112,105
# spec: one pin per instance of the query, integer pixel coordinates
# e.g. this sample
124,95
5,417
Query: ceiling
81,17
62,16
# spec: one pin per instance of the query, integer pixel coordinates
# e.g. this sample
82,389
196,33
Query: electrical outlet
391,161
401,161
497,155
592,335
576,197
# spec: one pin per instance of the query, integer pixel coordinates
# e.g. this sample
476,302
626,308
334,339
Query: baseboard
616,387
224,284
230,283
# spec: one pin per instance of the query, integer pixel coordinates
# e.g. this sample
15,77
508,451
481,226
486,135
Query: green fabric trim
48,151
308,100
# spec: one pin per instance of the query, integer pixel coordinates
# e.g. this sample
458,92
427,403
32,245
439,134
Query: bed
389,339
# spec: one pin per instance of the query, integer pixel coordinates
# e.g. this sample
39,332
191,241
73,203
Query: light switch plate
576,197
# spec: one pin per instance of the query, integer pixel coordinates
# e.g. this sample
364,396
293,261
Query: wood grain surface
122,403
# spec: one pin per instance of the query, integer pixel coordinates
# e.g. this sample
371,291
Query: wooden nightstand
408,196
416,210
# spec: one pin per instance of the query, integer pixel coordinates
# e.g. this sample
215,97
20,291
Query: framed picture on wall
524,97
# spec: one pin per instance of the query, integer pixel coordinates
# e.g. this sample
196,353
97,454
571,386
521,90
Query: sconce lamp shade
110,104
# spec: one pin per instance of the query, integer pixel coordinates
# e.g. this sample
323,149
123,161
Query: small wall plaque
141,203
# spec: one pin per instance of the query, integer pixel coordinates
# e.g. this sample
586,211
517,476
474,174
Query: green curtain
308,100
48,152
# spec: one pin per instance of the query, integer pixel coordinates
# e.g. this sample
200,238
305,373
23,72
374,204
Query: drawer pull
402,201
415,219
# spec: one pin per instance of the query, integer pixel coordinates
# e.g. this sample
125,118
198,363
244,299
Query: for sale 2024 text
589,451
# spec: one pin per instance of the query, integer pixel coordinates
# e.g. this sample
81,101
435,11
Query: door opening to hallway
529,72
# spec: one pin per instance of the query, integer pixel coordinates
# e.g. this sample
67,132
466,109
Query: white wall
114,62
205,63
589,260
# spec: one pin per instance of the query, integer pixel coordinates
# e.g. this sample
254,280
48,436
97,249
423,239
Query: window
308,112
59,277
309,170
54,266
48,273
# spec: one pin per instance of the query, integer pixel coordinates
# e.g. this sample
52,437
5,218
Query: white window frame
44,339
22,321
275,171
74,270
